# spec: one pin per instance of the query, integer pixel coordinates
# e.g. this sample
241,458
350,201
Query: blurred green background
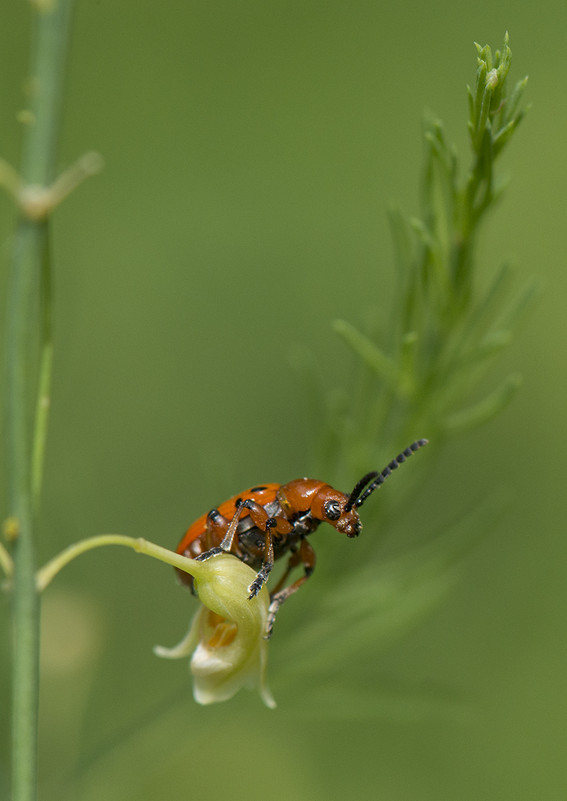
251,149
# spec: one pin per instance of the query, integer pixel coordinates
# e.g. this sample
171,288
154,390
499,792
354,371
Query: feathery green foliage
446,328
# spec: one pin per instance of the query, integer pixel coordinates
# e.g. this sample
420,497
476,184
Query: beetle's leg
269,525
262,520
204,546
293,561
218,528
267,564
305,556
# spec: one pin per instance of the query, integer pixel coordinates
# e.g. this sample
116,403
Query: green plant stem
25,337
48,572
44,379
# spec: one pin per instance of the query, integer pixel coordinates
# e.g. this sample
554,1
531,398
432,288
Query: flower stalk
47,573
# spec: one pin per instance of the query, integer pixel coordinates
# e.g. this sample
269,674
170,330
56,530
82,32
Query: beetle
269,521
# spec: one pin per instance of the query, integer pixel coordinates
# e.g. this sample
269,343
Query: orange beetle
266,522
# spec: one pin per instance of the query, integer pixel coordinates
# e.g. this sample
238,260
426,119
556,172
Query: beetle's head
341,511
332,506
364,488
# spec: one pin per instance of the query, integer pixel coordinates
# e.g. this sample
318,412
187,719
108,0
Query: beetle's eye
332,510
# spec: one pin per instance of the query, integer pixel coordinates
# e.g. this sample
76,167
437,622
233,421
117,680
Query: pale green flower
226,636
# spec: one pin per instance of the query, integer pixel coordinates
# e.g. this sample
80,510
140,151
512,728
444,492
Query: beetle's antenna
358,489
387,471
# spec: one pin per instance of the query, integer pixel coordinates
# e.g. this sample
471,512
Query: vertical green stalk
27,358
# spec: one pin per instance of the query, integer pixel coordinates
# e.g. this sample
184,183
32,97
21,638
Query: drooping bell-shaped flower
226,636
